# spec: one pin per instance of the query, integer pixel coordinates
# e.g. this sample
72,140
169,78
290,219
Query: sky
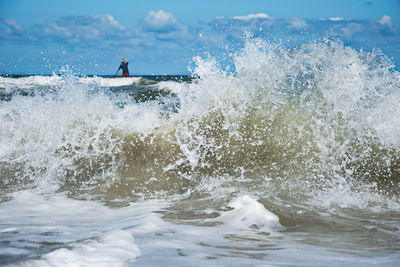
162,37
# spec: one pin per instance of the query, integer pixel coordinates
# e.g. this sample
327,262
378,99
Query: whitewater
289,157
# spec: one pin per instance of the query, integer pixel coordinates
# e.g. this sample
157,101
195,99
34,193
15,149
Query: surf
303,136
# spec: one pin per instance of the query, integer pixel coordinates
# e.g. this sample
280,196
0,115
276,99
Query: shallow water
291,160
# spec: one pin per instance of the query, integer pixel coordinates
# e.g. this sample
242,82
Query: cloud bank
160,36
77,29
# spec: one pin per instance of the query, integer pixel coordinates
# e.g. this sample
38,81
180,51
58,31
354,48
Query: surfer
124,67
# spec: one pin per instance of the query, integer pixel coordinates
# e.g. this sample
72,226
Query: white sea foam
91,234
109,82
115,248
29,82
248,213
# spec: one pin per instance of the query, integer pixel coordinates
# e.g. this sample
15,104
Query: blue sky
161,37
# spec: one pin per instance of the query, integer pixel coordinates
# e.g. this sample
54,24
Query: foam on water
30,82
51,230
248,213
70,232
115,248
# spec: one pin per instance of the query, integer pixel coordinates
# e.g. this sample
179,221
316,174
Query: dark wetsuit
124,67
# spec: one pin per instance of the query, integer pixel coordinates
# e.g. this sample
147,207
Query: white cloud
55,30
160,21
75,28
385,20
297,23
350,29
107,21
13,25
336,19
10,28
253,16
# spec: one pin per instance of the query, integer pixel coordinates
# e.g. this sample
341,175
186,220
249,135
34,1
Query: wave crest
300,120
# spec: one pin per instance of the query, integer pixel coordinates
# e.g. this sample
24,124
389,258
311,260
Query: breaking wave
308,123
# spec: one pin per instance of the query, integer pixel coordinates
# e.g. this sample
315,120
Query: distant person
124,67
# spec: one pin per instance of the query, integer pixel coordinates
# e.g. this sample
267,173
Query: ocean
291,157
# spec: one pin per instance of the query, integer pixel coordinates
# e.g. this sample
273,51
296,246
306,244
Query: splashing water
311,132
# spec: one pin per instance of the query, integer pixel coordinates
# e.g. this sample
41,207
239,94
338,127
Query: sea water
291,159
